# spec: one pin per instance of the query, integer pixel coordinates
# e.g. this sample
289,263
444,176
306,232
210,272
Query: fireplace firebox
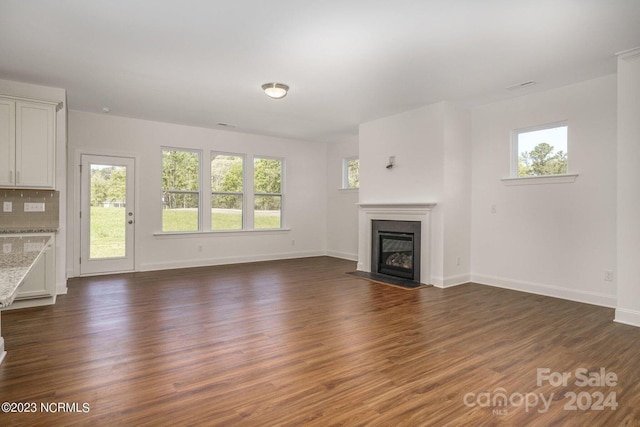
395,248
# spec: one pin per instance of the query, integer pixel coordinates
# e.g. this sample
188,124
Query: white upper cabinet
27,143
7,142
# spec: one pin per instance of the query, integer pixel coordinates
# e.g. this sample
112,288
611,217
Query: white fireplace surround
395,212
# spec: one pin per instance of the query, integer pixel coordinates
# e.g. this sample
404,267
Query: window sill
349,190
545,179
179,234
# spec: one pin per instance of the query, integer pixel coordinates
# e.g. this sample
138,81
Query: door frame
73,269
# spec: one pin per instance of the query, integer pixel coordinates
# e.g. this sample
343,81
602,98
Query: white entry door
107,214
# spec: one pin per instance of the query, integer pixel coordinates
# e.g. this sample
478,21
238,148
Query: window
540,151
267,187
351,172
225,202
180,190
227,191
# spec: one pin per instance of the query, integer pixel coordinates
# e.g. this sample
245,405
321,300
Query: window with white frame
180,189
540,151
350,172
227,191
267,189
227,195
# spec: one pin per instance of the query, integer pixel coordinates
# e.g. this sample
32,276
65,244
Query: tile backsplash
15,216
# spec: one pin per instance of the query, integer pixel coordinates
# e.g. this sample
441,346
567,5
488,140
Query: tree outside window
267,187
351,172
542,151
180,190
227,191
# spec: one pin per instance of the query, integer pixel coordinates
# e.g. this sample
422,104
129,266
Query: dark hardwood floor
299,342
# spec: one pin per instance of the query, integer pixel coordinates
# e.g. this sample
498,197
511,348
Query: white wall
628,307
31,91
552,239
342,208
305,191
456,200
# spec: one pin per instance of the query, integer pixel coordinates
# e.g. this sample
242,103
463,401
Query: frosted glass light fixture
275,90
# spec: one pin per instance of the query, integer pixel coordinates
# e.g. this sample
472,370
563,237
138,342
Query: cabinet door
40,282
35,145
7,142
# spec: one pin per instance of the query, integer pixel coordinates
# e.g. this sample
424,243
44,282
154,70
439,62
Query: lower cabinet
40,282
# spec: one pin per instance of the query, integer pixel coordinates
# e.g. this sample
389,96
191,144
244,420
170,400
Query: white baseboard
595,298
204,262
460,279
628,317
30,302
343,255
61,288
450,281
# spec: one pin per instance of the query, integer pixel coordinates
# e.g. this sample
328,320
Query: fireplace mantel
394,212
397,207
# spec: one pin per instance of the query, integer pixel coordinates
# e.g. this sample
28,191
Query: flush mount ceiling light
275,90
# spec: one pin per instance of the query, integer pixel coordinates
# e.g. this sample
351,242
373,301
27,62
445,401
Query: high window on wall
267,188
351,172
180,189
227,191
540,151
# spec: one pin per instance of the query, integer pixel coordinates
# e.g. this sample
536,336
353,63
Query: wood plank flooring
299,342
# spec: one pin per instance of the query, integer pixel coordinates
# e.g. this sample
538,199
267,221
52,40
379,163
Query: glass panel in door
107,214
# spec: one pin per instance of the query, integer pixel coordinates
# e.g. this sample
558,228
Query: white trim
629,54
596,298
627,317
58,104
515,150
406,208
395,212
61,288
450,281
74,226
206,262
457,280
178,234
343,255
566,178
345,172
32,302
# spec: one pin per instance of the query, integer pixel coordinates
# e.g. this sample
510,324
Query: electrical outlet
457,261
7,207
608,276
34,207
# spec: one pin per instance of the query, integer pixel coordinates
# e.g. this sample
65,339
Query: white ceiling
202,62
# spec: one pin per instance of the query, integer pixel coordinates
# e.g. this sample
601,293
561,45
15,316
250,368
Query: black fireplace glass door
396,254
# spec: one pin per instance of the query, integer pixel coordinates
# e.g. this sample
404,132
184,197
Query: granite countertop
9,230
17,255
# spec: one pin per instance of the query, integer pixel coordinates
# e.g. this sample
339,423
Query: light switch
7,206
